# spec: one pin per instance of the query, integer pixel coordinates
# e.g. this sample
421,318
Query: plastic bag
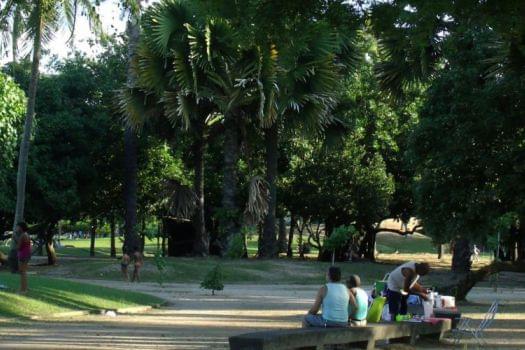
375,310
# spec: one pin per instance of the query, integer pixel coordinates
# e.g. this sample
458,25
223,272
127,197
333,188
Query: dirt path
196,320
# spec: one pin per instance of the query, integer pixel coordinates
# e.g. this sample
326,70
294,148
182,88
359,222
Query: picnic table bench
316,338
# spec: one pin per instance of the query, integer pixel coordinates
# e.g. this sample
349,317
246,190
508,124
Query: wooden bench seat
316,338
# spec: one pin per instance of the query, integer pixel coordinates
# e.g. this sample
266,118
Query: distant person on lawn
333,299
138,261
124,263
402,282
23,254
358,307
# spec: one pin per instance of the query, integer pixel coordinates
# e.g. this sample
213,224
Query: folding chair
465,326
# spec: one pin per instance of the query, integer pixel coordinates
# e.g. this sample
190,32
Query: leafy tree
466,147
43,18
12,100
339,186
338,239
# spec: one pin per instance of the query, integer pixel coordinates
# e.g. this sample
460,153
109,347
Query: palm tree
308,72
175,88
237,86
196,69
131,237
43,19
12,25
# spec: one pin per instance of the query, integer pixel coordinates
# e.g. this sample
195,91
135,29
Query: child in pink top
23,253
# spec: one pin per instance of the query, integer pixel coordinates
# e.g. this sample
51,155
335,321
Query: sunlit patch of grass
48,296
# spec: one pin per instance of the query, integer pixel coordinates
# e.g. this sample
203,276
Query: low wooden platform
316,338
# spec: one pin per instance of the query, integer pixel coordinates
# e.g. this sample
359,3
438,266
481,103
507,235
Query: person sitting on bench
358,307
333,298
402,282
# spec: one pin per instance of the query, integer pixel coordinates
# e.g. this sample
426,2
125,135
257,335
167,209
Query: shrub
213,280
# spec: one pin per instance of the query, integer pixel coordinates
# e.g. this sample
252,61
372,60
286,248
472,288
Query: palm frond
152,70
165,25
136,107
258,201
179,200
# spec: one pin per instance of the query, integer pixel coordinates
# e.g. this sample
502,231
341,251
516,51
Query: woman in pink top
24,254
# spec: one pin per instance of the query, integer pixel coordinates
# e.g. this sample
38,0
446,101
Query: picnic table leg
371,344
413,337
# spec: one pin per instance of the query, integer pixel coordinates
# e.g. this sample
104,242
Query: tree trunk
93,233
163,244
459,285
440,251
300,241
23,157
268,246
289,251
50,249
202,240
368,245
112,250
16,31
143,235
461,262
131,239
282,235
229,227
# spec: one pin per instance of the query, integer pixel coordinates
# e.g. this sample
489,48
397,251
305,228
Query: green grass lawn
386,243
184,270
193,270
49,295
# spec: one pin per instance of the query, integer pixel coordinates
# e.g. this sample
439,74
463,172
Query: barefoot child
137,264
124,263
23,254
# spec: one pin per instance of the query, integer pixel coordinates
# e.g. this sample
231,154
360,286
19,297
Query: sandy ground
196,320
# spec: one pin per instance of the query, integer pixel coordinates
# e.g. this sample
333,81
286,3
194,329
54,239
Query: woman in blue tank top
358,307
333,299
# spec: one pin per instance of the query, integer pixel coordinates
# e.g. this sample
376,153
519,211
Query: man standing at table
402,282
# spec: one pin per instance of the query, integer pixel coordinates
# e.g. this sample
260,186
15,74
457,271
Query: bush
160,263
213,280
236,249
339,237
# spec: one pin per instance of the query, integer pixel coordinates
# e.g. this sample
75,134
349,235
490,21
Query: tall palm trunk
282,235
112,227
289,251
268,245
131,238
16,31
93,234
30,115
229,220
202,240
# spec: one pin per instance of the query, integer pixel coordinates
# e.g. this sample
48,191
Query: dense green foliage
467,149
330,113
12,107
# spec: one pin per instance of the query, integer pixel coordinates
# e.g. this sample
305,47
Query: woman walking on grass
23,254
